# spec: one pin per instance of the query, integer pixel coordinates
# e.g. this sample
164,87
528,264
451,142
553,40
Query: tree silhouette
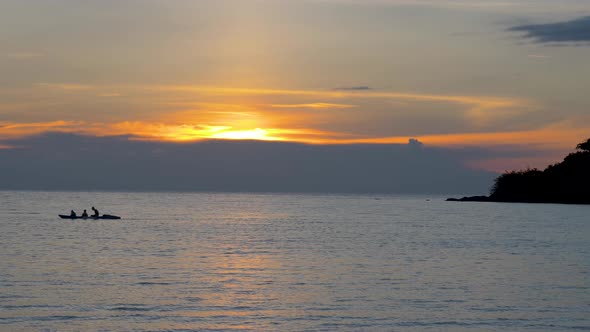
585,146
564,182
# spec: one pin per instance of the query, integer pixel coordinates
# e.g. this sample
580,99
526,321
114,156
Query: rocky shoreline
471,199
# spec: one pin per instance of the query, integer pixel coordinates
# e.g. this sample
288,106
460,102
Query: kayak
104,216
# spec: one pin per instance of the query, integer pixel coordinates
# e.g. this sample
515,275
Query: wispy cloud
221,105
480,102
483,101
479,110
10,130
574,31
353,88
313,106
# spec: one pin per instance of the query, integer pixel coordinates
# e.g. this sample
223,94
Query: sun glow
185,114
255,134
188,133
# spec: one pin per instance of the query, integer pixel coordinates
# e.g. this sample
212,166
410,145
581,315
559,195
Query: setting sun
185,133
255,134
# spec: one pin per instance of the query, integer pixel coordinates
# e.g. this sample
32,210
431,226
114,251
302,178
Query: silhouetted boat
104,216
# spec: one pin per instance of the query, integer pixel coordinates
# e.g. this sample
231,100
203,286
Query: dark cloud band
75,162
574,31
353,88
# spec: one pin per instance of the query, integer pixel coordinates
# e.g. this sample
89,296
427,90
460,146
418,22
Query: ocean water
265,262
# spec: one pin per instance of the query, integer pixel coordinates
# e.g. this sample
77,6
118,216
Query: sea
290,262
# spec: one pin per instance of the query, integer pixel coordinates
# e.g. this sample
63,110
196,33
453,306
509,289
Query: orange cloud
188,113
17,130
312,106
551,137
164,132
558,137
555,136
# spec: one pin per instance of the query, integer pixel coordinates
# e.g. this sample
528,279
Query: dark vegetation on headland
564,182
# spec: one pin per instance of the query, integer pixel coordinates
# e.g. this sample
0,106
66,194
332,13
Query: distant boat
104,216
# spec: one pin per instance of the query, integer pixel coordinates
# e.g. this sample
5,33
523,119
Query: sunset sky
492,74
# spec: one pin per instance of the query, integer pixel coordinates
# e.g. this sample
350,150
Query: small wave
150,283
140,308
12,297
454,301
55,318
573,287
193,299
30,306
494,309
130,308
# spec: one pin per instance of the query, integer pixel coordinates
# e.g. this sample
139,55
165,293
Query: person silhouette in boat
95,212
84,214
73,214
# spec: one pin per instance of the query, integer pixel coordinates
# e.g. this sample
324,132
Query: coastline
489,199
